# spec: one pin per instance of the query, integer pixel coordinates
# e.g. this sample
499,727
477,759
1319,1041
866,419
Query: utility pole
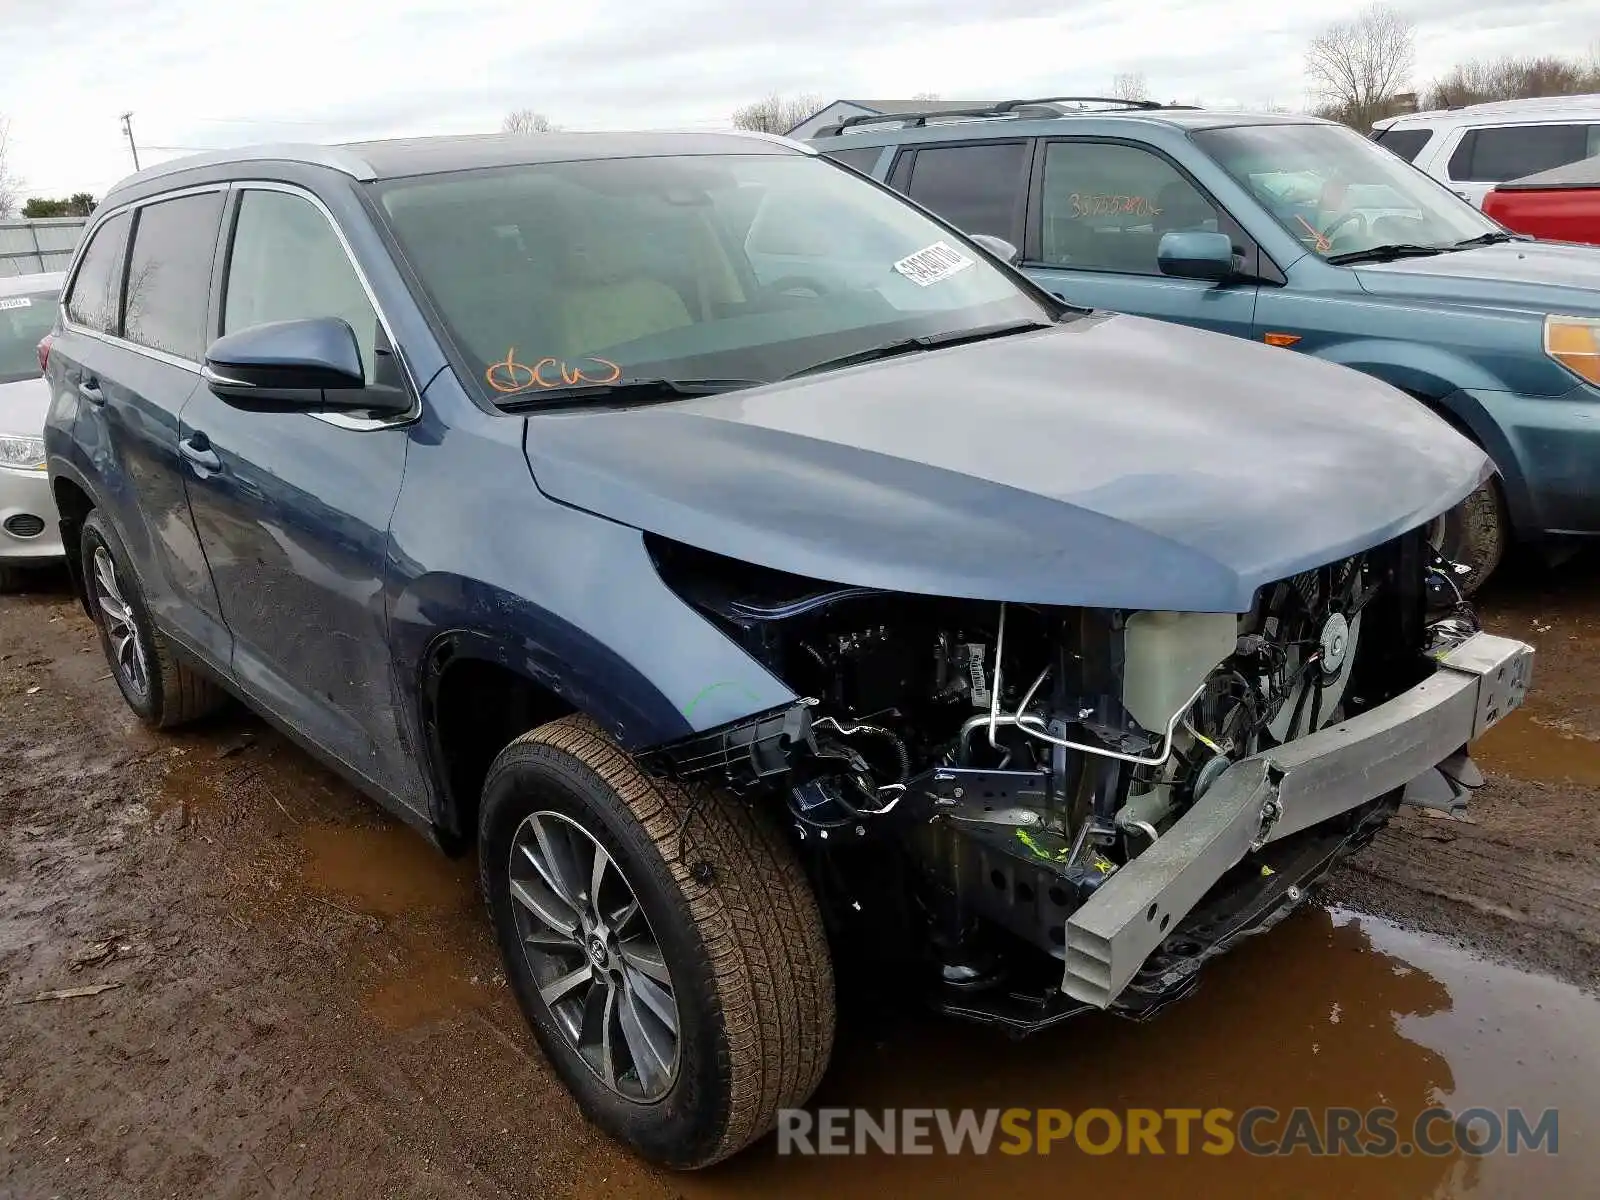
127,128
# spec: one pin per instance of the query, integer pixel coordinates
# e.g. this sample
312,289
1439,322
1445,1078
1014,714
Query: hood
24,405
1110,462
1541,277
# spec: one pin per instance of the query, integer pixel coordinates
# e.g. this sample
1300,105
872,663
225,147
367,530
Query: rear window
977,188
23,321
1407,143
169,274
858,158
94,301
1505,152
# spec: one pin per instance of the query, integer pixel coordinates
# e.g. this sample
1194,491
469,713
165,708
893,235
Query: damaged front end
1073,808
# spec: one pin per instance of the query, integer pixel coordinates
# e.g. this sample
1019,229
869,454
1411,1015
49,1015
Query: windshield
24,320
1340,193
746,267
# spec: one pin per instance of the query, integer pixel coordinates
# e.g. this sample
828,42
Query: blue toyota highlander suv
1298,233
759,574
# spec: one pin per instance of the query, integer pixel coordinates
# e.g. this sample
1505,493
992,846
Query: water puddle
1330,1010
1536,743
386,870
429,965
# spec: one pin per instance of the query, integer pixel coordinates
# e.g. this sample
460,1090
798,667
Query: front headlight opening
1574,342
22,453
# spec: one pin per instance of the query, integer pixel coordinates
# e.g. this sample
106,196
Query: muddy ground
301,997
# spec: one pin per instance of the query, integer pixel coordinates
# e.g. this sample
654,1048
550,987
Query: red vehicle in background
1561,204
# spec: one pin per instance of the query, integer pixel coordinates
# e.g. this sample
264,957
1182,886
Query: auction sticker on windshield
935,262
15,302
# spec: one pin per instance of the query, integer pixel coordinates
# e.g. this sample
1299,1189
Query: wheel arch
475,699
74,503
1443,380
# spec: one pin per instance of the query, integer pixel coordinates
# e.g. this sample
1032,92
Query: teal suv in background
1302,234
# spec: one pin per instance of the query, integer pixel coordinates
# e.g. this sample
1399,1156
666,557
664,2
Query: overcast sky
212,73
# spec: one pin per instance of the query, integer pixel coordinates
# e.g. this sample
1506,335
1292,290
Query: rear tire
1474,534
160,688
728,919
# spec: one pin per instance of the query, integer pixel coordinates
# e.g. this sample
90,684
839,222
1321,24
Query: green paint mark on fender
709,688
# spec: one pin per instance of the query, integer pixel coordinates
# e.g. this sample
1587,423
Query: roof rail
1006,108
908,120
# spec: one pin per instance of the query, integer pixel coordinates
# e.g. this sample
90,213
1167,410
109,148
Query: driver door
293,509
1100,211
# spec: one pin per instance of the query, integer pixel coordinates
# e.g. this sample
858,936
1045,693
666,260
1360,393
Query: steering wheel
1344,219
792,283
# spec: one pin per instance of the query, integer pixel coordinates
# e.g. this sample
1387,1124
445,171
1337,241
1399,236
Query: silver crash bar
1280,792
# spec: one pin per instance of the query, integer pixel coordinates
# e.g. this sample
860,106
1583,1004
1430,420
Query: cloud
199,74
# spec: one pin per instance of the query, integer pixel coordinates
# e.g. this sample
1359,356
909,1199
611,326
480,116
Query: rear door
132,341
1100,211
979,187
1494,154
293,508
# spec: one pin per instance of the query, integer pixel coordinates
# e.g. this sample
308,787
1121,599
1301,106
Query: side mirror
998,247
296,366
1196,254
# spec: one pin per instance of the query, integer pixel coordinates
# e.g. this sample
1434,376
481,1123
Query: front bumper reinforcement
1283,791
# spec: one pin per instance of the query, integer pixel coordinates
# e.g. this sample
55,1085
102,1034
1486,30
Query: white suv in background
1473,148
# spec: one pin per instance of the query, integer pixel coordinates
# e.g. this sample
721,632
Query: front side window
1105,207
737,267
287,264
169,274
1339,193
1504,152
24,319
976,188
95,298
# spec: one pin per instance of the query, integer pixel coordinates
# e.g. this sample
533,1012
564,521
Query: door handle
89,389
197,449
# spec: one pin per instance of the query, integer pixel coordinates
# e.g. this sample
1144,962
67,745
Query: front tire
1474,534
662,940
163,690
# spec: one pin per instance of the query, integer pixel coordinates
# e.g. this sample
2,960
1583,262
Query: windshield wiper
1493,237
1385,253
910,345
621,392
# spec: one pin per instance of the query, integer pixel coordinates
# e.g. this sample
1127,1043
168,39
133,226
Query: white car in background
30,534
1473,148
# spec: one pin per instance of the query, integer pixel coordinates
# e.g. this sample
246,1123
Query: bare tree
929,97
776,113
1357,65
10,185
525,120
1130,85
1512,78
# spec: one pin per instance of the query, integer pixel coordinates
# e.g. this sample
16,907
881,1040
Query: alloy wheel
597,964
128,657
